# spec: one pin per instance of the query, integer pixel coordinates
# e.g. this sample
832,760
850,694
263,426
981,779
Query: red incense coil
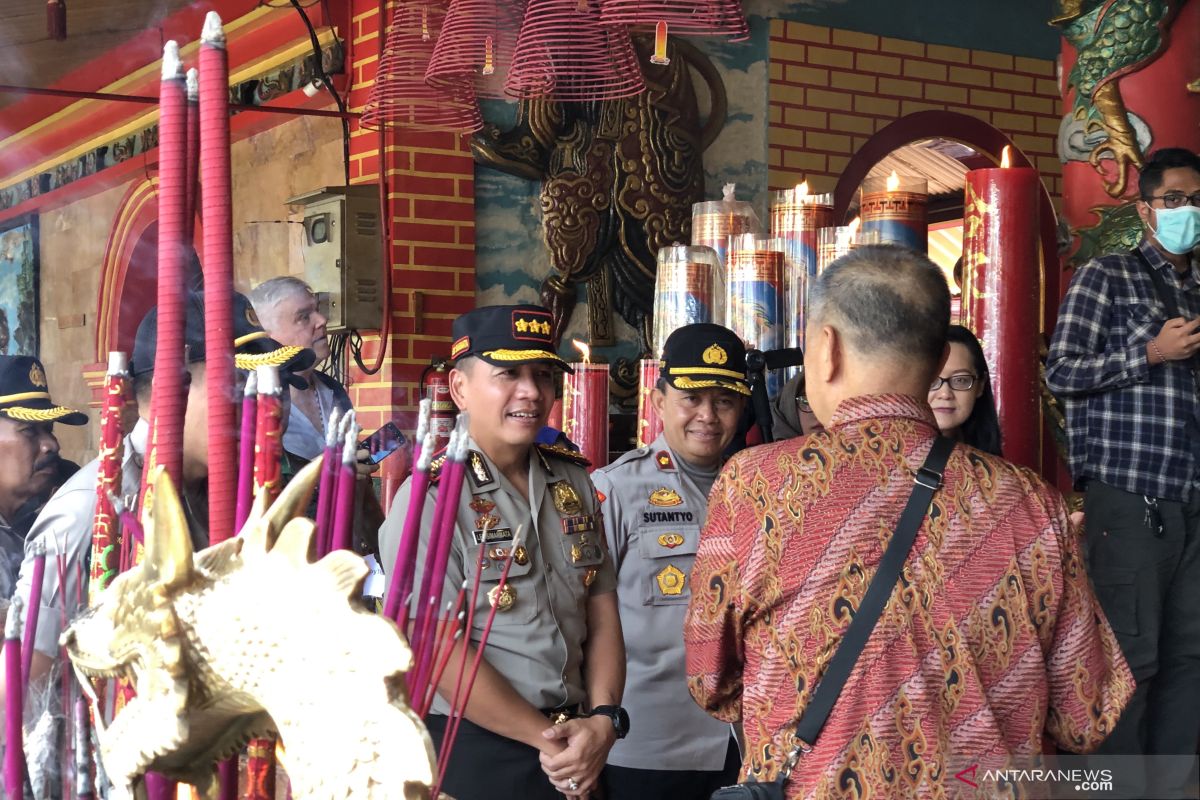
400,96
220,375
564,51
477,40
683,17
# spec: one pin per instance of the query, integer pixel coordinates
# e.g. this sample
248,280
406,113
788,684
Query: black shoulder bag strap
927,481
1167,298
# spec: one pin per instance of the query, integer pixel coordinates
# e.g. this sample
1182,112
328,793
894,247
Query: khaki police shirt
653,513
537,643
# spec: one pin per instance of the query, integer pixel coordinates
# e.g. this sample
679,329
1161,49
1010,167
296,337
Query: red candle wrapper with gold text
585,411
649,424
1001,300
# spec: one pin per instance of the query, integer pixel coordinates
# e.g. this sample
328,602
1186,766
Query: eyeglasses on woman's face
802,404
959,383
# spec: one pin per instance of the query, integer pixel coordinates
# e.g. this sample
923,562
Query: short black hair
1158,162
885,297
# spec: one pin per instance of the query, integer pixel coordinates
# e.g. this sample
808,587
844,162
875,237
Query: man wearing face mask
1123,359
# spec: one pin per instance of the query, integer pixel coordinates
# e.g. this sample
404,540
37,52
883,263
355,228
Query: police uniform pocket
668,552
516,602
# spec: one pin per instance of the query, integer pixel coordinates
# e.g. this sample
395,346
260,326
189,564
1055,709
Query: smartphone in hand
382,443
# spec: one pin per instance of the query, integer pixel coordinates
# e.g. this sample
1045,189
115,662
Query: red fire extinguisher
435,385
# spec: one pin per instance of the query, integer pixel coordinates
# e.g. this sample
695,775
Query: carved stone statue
619,178
251,638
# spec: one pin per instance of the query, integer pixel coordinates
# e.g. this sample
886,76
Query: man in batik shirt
992,638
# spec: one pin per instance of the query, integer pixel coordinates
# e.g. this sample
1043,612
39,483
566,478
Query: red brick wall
832,89
431,185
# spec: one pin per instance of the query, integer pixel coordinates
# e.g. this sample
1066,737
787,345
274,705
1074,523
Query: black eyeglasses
1175,199
959,383
802,404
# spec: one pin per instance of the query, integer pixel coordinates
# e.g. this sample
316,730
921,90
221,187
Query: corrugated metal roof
935,159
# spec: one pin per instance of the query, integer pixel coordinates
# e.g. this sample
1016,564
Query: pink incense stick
35,604
245,478
446,628
192,165
437,553
401,580
459,706
343,511
14,750
325,490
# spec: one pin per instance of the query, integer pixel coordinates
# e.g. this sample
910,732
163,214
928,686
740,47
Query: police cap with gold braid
25,396
506,335
705,356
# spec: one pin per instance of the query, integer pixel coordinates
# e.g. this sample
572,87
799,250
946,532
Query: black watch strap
618,715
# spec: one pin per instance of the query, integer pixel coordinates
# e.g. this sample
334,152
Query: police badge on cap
504,335
705,356
25,395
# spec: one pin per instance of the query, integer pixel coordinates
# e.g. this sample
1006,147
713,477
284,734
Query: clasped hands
583,745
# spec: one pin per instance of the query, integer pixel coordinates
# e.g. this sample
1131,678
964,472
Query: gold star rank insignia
522,325
664,460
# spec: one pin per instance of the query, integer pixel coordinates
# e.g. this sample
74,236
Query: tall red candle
1001,300
217,202
585,408
168,398
649,424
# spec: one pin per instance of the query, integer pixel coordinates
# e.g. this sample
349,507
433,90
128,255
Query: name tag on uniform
493,535
579,523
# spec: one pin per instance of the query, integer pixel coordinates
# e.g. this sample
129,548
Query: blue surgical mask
1178,229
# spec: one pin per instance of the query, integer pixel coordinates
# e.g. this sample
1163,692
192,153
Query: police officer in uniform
545,707
654,501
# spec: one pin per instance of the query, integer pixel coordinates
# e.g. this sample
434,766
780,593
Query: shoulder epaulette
565,453
435,466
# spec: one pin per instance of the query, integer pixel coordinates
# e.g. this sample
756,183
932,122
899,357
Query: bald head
887,301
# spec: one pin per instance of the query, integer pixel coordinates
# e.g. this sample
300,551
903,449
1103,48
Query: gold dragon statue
252,638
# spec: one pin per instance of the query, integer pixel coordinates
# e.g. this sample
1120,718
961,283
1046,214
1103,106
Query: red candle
218,280
105,541
1001,299
585,408
649,424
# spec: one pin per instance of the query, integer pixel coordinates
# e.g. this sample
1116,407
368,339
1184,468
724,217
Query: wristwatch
618,715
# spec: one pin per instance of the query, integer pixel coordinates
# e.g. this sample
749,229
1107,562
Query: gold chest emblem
503,597
566,499
665,497
671,580
670,540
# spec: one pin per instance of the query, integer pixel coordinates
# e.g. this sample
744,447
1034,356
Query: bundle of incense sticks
343,510
462,689
325,488
245,477
401,582
14,703
437,554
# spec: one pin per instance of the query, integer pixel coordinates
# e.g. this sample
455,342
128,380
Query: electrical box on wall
343,254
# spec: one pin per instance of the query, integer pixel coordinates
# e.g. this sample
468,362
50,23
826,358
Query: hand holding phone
382,443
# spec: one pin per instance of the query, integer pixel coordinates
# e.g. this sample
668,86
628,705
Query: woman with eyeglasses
791,415
961,395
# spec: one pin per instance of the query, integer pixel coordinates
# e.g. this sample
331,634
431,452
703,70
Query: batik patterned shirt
991,639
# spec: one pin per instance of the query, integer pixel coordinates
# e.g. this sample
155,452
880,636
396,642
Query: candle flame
800,192
893,182
584,349
183,792
853,226
488,66
660,44
1006,157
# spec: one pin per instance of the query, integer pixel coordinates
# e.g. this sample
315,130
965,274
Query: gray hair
268,294
885,298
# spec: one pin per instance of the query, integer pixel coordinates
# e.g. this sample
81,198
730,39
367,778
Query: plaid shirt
1127,422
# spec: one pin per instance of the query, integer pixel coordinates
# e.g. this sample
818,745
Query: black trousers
486,766
624,783
1148,583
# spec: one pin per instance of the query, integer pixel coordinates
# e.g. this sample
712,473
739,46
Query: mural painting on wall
618,180
1126,92
19,288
